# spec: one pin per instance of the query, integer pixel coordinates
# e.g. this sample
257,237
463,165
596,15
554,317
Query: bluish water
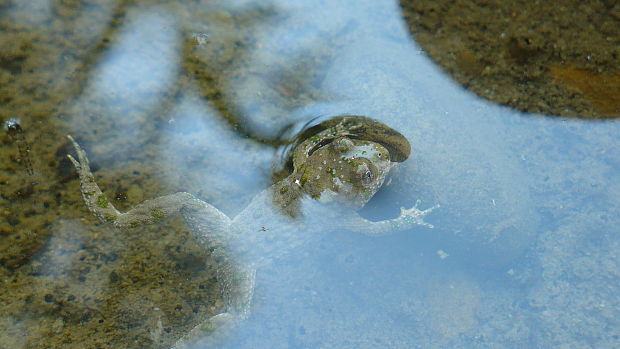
525,249
525,252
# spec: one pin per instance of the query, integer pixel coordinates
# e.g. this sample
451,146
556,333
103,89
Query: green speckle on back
354,163
304,178
315,138
102,201
157,214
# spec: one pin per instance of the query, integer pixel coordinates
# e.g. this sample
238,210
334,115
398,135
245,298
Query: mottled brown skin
344,159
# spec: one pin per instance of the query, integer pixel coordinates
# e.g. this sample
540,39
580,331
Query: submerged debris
16,133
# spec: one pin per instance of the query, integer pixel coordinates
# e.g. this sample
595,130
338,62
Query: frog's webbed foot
414,215
409,217
97,203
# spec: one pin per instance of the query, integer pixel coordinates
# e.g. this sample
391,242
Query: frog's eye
367,177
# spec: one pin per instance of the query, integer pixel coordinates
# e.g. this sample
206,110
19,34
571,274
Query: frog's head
346,171
345,160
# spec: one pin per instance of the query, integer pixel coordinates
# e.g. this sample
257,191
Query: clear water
525,252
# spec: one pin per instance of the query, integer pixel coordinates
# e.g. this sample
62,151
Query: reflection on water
190,96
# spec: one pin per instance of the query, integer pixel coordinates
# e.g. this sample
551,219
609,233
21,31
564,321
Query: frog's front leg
407,219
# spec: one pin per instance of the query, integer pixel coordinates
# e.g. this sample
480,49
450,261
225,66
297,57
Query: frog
343,159
335,168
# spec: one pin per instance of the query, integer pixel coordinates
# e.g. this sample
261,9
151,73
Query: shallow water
168,97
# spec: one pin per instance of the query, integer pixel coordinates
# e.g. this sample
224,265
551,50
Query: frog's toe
208,333
415,215
82,160
220,320
75,163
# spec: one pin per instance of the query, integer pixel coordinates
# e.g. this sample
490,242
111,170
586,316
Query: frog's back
263,231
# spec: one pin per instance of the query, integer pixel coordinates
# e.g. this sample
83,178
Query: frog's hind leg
97,203
211,228
237,290
150,211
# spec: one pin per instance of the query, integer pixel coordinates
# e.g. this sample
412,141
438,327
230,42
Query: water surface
191,96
